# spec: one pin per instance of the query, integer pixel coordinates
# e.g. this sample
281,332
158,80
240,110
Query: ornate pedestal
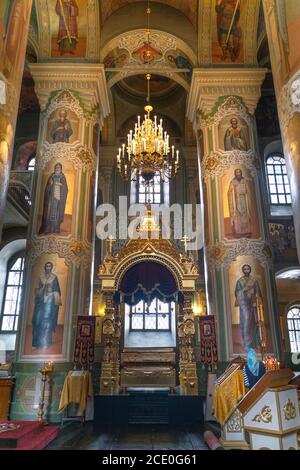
271,414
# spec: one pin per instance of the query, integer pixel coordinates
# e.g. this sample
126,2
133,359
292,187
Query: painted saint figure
229,33
240,206
247,297
235,138
62,128
55,198
46,308
67,39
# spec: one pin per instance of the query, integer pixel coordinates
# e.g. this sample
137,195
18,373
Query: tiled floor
133,437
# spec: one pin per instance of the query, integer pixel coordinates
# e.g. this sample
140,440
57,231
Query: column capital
86,79
208,85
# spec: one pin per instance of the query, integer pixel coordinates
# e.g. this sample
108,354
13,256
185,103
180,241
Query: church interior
149,224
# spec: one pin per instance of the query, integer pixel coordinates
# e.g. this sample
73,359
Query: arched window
293,320
12,295
31,164
278,182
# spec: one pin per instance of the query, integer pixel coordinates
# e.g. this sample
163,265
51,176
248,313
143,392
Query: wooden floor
75,436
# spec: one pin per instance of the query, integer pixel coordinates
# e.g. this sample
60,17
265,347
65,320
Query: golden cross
185,240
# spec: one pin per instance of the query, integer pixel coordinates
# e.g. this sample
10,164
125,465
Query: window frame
293,307
9,266
278,205
139,184
144,313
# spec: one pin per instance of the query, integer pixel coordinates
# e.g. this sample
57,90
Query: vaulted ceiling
188,7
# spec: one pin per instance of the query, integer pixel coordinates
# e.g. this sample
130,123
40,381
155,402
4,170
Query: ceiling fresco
188,7
128,55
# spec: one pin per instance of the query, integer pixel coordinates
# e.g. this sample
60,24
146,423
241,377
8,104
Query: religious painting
56,205
228,20
47,299
116,58
241,219
63,127
147,53
249,306
179,60
69,23
233,134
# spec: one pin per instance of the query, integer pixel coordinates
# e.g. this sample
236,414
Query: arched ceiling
188,7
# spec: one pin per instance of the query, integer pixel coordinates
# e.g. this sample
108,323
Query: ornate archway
182,270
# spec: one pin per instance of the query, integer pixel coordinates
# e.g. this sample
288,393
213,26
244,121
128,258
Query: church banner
208,338
85,341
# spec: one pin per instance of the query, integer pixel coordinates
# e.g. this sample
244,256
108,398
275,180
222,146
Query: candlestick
45,371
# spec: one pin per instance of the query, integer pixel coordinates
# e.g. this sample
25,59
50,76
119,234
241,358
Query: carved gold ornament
265,416
289,410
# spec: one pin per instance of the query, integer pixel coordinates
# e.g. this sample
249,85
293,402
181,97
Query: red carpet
30,436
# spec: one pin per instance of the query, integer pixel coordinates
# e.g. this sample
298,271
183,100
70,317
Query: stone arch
24,155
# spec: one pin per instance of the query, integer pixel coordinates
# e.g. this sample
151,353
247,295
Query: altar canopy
146,281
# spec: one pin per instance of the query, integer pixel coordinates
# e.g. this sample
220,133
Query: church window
155,193
293,320
278,182
12,297
153,317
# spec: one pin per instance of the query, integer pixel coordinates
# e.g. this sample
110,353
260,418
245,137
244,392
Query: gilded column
283,30
12,59
110,367
239,278
74,103
188,379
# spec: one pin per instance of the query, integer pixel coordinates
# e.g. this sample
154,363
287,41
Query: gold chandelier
148,150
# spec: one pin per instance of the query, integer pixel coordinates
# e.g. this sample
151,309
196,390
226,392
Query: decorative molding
133,39
264,416
66,99
225,106
234,424
93,28
216,163
9,109
223,254
75,252
81,156
44,28
250,32
289,101
204,32
208,85
88,80
289,410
